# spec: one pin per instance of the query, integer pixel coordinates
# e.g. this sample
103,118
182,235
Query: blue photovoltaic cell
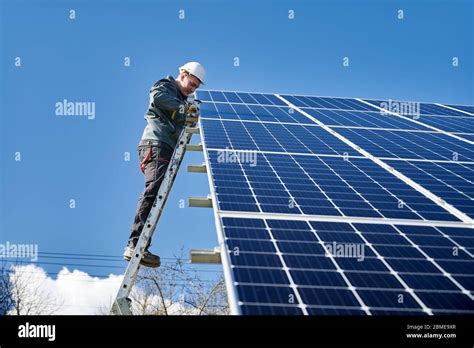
466,108
240,97
451,181
270,310
449,124
362,119
273,162
239,135
423,108
262,113
318,280
410,145
328,103
469,137
432,109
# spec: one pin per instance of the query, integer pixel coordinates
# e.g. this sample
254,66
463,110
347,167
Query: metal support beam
193,147
197,168
192,130
191,120
200,202
212,256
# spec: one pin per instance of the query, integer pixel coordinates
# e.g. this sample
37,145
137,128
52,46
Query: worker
166,117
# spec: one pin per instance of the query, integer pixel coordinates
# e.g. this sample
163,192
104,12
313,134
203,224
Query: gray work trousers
155,157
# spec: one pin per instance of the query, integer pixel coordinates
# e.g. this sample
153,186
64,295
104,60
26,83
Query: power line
103,256
102,277
96,257
68,264
100,266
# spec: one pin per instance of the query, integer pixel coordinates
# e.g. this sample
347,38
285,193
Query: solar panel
326,206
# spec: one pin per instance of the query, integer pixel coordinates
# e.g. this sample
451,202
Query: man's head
191,76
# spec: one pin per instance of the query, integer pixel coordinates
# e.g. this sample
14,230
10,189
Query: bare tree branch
25,294
174,289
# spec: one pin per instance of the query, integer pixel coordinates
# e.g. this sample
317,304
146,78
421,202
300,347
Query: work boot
148,259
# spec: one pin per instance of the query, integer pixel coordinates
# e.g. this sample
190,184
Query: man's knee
151,188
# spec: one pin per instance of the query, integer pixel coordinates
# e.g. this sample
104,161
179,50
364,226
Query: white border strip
339,156
456,212
225,256
337,218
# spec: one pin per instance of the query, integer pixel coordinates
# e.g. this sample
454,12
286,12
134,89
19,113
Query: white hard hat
196,69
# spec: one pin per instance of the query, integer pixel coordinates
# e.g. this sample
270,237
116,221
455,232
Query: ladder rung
193,147
197,168
200,202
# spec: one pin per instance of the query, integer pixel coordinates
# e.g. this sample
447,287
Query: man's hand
192,113
191,110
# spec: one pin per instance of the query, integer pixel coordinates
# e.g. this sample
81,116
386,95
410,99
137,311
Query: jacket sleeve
164,96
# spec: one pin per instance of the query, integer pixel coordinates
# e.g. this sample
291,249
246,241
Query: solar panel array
341,206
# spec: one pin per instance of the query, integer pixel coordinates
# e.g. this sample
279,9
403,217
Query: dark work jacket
164,116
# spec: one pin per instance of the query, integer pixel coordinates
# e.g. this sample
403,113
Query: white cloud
76,291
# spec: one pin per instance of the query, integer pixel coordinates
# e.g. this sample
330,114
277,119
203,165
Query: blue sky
65,158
